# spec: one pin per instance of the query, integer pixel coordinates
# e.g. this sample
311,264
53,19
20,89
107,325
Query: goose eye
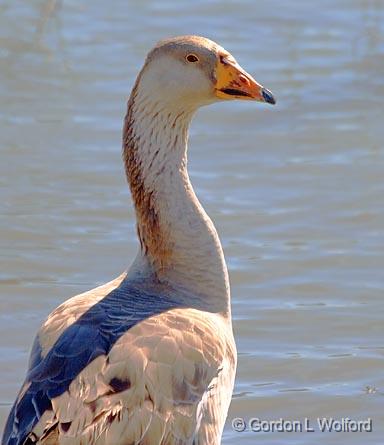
192,58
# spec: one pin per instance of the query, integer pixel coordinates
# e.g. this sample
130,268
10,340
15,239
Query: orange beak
232,82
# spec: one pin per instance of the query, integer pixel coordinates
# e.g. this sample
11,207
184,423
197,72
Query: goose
148,358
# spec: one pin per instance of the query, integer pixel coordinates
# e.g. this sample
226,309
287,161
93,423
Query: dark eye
192,58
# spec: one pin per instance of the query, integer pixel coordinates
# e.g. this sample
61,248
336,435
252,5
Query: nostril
243,79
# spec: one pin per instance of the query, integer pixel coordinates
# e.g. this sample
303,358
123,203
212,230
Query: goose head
191,71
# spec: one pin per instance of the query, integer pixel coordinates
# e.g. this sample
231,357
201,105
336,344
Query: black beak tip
268,96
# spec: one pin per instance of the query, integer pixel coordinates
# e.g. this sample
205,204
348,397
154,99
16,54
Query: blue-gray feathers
93,334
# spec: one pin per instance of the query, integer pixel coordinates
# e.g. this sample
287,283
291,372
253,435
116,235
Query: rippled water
295,190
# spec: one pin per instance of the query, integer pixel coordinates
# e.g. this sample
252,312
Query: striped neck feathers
179,242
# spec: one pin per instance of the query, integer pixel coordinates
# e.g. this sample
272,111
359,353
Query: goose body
148,358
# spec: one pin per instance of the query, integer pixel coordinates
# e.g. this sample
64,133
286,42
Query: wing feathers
105,382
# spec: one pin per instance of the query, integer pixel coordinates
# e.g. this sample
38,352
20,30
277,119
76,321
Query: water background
296,190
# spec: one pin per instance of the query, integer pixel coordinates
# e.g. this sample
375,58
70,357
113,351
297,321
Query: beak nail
268,96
